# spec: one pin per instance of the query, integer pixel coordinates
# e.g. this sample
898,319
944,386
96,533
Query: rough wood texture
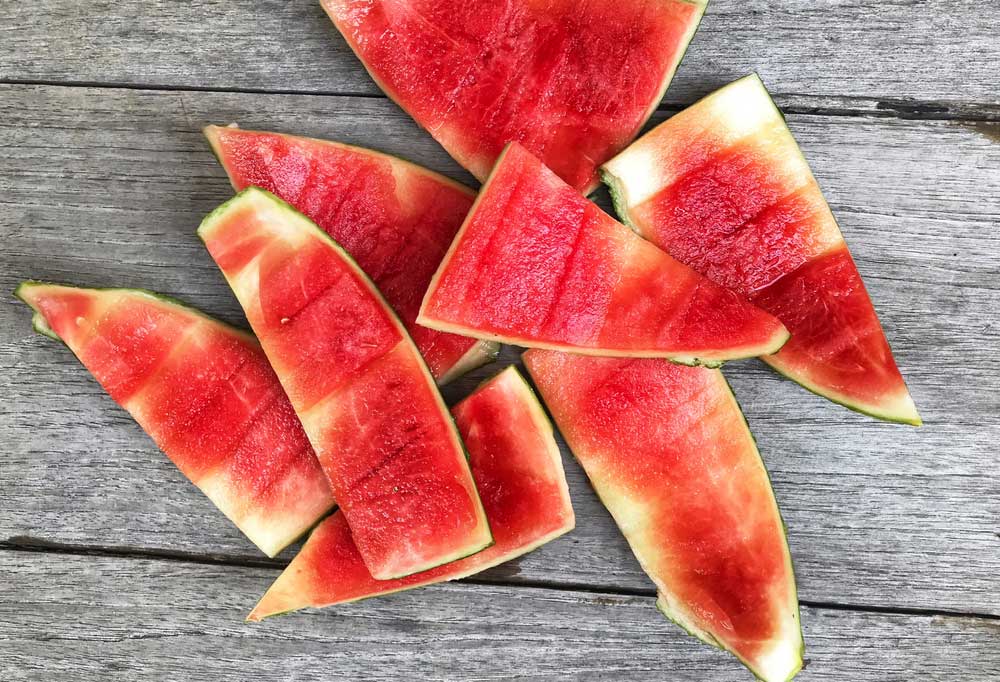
73,618
854,54
106,187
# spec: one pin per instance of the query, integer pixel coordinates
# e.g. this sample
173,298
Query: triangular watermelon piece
205,393
369,405
537,264
669,453
724,188
572,81
518,469
395,218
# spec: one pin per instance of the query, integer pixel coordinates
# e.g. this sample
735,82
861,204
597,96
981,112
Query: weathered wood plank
852,54
67,617
103,187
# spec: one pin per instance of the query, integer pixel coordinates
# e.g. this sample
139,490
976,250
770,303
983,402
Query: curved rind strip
518,469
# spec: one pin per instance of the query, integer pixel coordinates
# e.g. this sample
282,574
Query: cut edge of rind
256,193
481,353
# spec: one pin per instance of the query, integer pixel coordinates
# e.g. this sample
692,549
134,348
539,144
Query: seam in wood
904,109
40,546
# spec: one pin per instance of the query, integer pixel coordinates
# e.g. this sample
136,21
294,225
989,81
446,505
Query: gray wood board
72,618
839,54
105,188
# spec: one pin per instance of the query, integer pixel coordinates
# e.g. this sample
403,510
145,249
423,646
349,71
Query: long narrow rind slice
536,264
723,187
205,393
368,403
669,453
573,81
518,470
395,218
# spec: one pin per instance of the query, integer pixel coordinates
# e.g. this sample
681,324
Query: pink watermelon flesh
536,264
207,396
368,404
670,455
396,219
518,471
723,187
572,81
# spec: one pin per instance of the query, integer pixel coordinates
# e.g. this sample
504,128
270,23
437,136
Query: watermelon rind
898,409
480,354
258,194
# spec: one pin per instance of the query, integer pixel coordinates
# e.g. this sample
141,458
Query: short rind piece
205,393
536,264
670,455
518,470
572,81
723,187
395,218
369,405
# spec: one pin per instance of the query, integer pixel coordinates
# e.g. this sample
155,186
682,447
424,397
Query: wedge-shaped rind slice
205,393
395,218
573,81
518,470
368,403
536,264
723,187
669,453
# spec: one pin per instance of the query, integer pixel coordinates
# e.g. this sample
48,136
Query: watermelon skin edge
482,353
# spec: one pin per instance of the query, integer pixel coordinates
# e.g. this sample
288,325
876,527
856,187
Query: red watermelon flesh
205,393
572,81
669,453
519,473
537,264
365,397
723,187
395,218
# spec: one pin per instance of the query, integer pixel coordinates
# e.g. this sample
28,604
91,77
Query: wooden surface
115,567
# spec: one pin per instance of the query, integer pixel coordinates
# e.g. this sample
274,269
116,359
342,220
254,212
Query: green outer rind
205,228
480,354
430,323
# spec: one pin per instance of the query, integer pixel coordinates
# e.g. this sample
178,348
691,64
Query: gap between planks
40,546
789,103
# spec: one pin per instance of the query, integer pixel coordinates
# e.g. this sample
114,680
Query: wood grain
835,54
73,618
106,187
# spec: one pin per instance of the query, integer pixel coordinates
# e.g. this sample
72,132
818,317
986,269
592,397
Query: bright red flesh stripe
208,397
723,187
669,453
573,81
368,404
517,468
396,219
537,264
